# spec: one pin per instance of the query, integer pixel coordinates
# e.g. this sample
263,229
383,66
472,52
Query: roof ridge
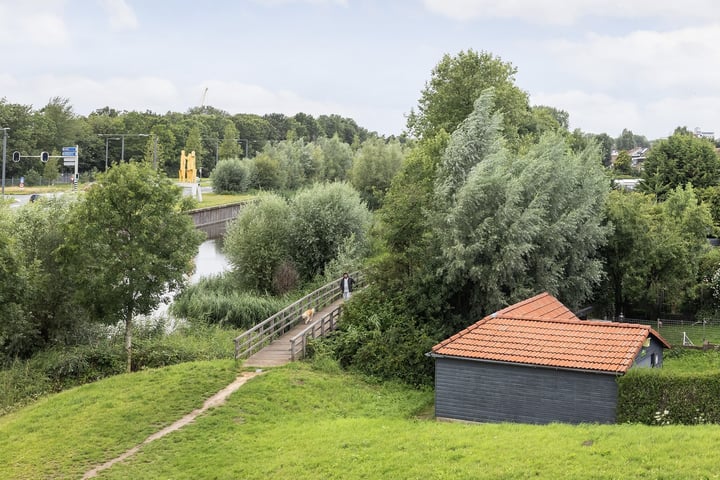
514,306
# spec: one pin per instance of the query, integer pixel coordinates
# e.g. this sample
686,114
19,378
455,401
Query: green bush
324,217
657,397
380,342
231,176
32,178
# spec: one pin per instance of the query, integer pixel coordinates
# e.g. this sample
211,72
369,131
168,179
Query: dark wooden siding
645,357
490,392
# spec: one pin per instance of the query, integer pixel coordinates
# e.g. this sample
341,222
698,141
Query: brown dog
308,315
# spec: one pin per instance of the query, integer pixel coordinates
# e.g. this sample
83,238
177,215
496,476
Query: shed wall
491,392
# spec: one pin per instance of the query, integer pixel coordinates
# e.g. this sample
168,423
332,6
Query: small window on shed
653,360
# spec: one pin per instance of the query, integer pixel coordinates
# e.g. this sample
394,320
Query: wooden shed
536,362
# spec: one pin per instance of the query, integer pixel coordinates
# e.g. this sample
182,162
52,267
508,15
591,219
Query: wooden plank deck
278,352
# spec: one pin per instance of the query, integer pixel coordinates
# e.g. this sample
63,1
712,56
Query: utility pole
4,152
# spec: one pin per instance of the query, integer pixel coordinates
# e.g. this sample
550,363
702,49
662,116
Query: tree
337,158
628,140
456,82
653,250
524,224
374,166
266,172
606,143
324,216
193,143
130,245
17,335
40,229
229,147
623,163
51,171
678,160
257,243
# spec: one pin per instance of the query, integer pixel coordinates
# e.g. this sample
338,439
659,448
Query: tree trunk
128,338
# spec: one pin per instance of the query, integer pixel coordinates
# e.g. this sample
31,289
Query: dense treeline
212,133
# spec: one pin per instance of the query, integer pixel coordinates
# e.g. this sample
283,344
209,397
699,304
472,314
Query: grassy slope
295,422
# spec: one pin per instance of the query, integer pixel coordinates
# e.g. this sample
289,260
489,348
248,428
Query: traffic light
16,157
44,156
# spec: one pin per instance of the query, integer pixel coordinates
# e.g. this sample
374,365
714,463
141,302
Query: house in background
536,362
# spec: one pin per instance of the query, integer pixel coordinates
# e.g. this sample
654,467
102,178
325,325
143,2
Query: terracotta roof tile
542,331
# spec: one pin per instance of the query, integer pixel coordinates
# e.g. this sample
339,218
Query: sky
645,65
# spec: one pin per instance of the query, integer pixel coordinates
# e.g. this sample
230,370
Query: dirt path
214,401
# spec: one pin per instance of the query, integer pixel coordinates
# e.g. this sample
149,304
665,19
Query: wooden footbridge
284,336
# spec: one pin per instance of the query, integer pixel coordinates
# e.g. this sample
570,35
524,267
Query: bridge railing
319,328
265,332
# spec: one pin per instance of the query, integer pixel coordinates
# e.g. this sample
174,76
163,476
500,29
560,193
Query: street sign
69,161
69,151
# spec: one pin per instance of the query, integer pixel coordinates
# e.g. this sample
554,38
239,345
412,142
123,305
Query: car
34,197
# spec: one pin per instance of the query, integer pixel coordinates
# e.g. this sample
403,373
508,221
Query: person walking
346,285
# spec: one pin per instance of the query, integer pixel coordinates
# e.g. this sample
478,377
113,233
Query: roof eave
531,365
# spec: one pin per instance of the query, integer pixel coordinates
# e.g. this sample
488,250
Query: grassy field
298,423
213,199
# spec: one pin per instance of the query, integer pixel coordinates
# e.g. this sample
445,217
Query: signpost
70,158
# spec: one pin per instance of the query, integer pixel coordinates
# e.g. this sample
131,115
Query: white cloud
121,15
594,112
86,94
562,12
237,97
32,23
686,58
271,3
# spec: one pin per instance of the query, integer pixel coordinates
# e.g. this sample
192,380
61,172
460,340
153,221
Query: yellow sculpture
187,167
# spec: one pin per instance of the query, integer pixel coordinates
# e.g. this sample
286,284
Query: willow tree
130,244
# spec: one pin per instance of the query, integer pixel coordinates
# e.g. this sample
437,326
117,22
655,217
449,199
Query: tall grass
215,300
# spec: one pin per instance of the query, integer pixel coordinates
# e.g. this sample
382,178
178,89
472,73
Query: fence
265,332
298,343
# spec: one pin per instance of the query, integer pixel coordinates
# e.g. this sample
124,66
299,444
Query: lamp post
121,137
246,145
107,141
122,146
4,129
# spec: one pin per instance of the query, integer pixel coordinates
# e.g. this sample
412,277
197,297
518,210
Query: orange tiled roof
538,331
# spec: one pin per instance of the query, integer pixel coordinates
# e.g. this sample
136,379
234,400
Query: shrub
656,397
380,341
33,178
231,176
324,216
257,242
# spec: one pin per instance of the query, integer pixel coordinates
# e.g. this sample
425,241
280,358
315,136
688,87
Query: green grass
299,423
214,199
696,333
16,190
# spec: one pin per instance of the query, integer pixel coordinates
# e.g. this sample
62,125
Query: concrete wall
493,392
213,220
